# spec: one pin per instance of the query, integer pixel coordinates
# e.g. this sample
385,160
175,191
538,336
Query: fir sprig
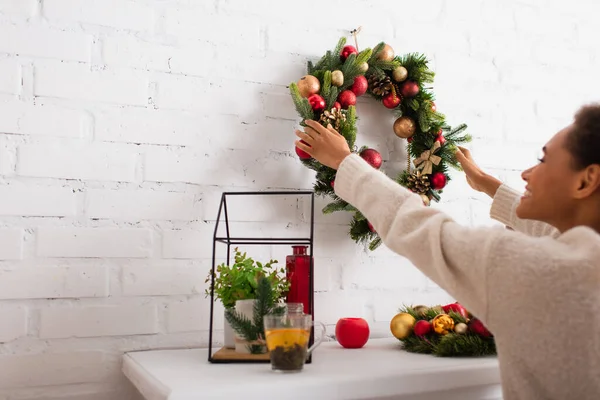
252,330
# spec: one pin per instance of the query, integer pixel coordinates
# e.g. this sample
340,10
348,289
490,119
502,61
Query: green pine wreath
474,341
326,94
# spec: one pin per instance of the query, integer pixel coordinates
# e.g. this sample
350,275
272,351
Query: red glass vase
297,267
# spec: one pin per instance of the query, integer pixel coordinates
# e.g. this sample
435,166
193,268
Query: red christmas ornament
371,228
457,308
337,105
352,333
391,100
347,98
477,327
409,140
409,89
332,183
316,102
360,85
440,137
346,51
301,153
372,157
422,328
438,180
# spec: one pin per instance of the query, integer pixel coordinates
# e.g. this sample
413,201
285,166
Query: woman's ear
589,181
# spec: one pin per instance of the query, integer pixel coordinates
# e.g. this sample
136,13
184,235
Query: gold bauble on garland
404,127
461,328
308,85
386,54
337,78
442,324
363,67
402,325
400,74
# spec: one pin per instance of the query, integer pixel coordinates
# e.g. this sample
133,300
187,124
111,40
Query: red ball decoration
438,180
347,98
409,140
352,333
409,89
422,328
360,85
477,327
440,137
332,183
391,100
301,153
372,157
316,102
371,227
457,308
346,51
337,105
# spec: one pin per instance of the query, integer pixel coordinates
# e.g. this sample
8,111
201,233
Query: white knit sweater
539,293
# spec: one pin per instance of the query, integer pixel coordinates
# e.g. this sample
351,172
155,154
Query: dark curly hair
583,142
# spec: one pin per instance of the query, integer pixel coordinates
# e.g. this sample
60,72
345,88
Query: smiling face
563,189
548,195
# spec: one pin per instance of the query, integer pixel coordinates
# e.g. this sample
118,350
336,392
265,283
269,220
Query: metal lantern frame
231,240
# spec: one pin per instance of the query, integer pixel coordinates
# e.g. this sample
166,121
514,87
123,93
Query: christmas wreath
444,331
328,94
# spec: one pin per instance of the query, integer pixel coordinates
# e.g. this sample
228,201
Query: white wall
121,122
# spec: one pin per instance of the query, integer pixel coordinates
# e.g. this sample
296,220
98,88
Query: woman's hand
325,145
476,178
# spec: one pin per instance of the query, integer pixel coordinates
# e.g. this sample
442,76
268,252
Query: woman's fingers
320,129
305,136
303,146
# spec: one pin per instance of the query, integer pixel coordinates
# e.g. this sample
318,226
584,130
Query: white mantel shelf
380,370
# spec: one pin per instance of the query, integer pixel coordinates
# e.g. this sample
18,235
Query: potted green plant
240,282
247,318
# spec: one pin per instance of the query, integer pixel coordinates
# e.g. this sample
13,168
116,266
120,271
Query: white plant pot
228,334
245,308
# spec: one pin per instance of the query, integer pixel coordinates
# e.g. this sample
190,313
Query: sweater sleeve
453,256
504,208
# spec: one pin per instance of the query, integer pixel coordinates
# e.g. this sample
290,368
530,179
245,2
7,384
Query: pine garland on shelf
328,94
448,331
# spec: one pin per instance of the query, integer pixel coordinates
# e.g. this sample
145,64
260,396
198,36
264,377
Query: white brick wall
122,122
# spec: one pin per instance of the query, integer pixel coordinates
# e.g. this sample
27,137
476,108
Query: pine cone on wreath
418,183
333,117
380,86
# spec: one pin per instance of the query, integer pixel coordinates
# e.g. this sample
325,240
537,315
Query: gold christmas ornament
386,54
333,117
405,127
400,74
337,78
363,67
402,325
461,328
308,85
442,324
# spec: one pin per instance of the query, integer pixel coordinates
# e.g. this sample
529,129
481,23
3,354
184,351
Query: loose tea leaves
289,358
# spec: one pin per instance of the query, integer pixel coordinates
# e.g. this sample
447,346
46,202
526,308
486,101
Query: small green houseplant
240,280
250,327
